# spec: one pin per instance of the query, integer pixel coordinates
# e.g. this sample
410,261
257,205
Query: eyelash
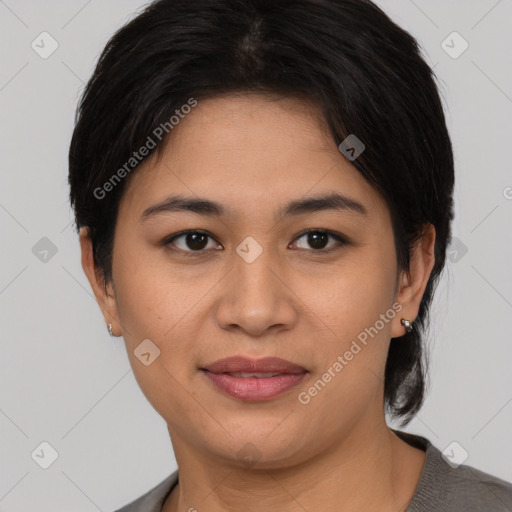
342,241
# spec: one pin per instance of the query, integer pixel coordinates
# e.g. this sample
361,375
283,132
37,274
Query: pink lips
256,387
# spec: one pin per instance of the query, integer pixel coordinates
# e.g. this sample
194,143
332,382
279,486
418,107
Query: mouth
254,380
253,375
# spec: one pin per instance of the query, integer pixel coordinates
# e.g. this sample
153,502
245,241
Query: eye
196,241
192,241
318,238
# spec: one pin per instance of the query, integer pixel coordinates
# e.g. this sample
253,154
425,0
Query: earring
109,327
407,324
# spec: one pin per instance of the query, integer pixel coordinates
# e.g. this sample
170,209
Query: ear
412,284
104,294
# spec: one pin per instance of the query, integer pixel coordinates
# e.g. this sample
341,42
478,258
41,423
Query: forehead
249,152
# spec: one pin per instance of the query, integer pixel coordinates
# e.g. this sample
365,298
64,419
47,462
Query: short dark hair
364,72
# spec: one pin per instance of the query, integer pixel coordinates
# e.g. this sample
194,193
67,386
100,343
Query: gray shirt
441,488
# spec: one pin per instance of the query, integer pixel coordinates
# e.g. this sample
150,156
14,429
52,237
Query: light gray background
63,380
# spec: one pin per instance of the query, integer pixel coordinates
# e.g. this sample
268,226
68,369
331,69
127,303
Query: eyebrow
206,207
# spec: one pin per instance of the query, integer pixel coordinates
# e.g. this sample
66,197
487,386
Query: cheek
152,306
151,296
352,340
162,303
351,296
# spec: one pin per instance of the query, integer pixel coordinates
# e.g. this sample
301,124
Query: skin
253,154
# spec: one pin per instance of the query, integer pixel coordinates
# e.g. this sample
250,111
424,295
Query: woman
264,193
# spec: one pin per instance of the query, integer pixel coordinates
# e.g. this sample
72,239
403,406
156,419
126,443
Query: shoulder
152,501
473,490
448,487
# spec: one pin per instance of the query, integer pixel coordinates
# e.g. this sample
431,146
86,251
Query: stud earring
109,327
407,324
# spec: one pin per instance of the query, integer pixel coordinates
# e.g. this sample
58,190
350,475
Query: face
250,276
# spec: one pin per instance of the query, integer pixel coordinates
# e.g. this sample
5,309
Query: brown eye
190,241
196,241
318,240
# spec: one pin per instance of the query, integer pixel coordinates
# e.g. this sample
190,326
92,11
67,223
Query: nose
256,297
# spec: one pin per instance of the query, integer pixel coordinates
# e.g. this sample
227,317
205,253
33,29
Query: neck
369,469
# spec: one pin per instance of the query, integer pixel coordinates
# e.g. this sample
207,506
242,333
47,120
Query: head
236,111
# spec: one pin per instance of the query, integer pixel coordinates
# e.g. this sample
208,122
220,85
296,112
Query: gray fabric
154,499
441,488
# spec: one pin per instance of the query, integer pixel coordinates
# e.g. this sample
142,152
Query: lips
255,375
254,379
242,364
